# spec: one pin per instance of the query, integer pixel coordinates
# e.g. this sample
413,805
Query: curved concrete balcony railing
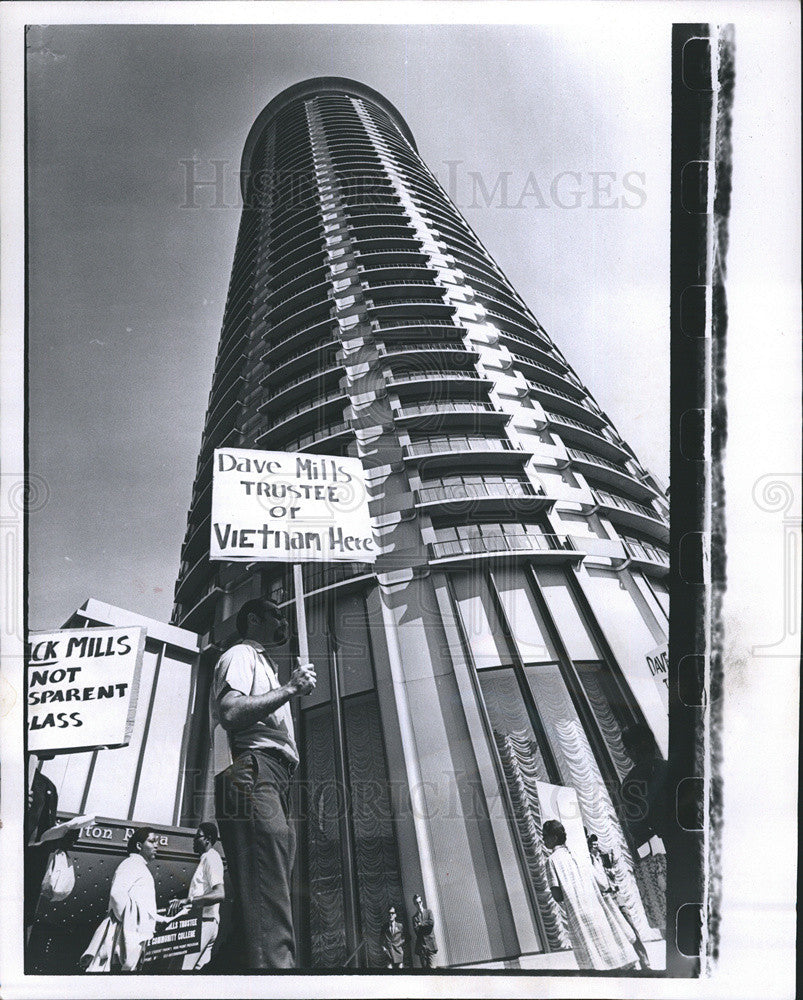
296,339
319,436
291,220
593,438
298,359
287,257
421,326
520,323
213,428
307,203
373,231
551,396
304,410
204,603
415,304
198,539
299,269
486,289
451,412
282,394
381,273
546,547
450,347
296,285
521,495
292,304
611,473
418,449
550,377
191,577
288,323
620,510
605,548
472,454
647,557
407,243
433,375
287,244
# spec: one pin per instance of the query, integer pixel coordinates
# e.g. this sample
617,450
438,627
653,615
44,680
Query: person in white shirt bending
205,895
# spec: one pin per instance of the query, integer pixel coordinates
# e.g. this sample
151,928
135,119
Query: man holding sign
252,794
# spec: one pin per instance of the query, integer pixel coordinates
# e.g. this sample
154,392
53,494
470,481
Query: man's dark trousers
252,804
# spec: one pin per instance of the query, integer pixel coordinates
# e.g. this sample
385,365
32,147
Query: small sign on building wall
82,688
289,507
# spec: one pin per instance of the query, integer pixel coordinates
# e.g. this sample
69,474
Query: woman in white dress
132,918
598,943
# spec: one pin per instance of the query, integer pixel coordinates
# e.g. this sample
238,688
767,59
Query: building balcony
453,351
301,359
377,243
322,436
282,395
299,339
221,399
202,608
290,305
546,548
382,273
302,235
620,510
538,345
550,396
475,414
288,324
371,231
302,412
520,324
197,540
601,548
646,557
309,203
215,429
583,434
548,376
284,258
302,213
418,327
412,306
596,467
302,268
401,259
192,577
424,378
313,278
479,452
519,496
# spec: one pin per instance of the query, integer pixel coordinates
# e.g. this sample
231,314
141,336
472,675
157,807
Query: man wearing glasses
252,794
392,940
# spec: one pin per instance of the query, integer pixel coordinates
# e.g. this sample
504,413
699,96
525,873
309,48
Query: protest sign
289,507
181,937
82,688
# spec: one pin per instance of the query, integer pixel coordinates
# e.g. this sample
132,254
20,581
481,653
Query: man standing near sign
205,895
252,794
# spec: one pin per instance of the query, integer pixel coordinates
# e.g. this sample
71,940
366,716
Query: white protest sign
658,663
289,507
82,688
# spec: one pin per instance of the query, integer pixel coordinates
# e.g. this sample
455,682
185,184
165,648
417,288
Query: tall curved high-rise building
477,678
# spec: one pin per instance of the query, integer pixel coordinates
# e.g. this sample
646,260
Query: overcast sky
127,284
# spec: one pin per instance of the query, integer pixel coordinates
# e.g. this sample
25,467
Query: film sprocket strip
702,71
